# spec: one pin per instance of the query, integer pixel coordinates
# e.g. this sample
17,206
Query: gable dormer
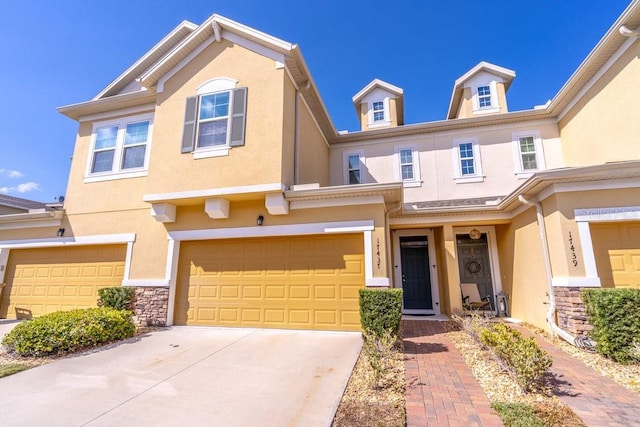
379,104
481,90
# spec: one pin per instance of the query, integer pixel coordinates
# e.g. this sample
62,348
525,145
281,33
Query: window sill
114,176
467,179
380,124
525,175
411,184
211,152
486,110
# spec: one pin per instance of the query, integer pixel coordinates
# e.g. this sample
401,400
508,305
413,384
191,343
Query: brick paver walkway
597,400
441,390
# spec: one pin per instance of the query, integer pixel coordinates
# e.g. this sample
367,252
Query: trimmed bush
69,331
381,311
615,316
523,358
119,298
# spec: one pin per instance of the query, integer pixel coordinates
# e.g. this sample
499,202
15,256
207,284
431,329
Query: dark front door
473,264
416,279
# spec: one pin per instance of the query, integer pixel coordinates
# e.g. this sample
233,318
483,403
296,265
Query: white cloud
11,173
27,186
21,188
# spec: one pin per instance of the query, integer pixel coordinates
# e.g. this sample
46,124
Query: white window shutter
238,117
189,132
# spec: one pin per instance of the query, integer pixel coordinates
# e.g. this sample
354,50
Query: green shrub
119,298
69,331
522,357
615,316
517,414
381,311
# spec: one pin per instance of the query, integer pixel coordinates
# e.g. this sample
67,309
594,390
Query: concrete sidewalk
190,376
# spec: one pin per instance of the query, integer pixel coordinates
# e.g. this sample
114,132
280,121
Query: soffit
146,61
600,54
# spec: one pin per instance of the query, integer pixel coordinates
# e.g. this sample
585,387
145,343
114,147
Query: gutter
551,318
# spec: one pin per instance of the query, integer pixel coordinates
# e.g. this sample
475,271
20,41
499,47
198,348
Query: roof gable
127,80
505,74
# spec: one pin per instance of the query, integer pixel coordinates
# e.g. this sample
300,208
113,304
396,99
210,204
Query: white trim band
576,282
99,239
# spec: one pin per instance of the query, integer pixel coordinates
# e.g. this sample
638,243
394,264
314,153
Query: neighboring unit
210,177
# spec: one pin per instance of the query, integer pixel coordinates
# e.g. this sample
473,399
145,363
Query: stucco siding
603,126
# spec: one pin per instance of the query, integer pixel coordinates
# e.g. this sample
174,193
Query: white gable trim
254,47
181,64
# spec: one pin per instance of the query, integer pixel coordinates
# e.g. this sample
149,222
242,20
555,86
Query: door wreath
473,266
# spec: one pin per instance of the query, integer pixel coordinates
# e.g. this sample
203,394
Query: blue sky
61,52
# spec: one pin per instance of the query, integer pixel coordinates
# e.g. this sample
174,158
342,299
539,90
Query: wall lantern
60,232
260,220
475,234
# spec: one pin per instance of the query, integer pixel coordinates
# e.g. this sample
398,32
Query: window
354,167
406,164
527,153
214,121
378,111
408,169
467,162
120,146
467,165
484,96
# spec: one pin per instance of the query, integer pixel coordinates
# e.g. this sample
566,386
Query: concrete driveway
190,376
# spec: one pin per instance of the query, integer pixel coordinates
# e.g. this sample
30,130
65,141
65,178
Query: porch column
452,286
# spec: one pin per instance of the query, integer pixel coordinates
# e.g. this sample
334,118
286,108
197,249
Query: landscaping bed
515,407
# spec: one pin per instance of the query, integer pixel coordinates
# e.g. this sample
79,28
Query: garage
616,248
301,282
44,280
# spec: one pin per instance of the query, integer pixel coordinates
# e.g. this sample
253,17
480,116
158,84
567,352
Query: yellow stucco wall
603,126
522,268
244,214
258,161
313,152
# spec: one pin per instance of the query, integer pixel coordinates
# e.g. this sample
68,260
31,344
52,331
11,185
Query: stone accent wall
572,315
150,306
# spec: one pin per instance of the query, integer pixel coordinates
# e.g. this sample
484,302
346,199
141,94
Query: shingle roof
478,201
17,202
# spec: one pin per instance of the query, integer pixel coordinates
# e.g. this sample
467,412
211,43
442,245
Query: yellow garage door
617,250
44,280
308,282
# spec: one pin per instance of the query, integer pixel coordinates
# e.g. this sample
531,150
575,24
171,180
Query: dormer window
378,111
484,96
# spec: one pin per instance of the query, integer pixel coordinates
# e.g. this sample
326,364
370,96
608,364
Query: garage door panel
308,282
617,251
44,280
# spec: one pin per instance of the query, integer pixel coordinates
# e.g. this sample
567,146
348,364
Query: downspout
388,240
296,135
551,314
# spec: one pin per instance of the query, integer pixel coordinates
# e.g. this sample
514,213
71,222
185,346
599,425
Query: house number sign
378,252
572,251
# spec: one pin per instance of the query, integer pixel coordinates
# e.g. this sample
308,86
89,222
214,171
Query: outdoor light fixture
475,234
60,232
260,220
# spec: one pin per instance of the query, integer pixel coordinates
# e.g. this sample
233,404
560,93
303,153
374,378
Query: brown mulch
499,386
365,405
